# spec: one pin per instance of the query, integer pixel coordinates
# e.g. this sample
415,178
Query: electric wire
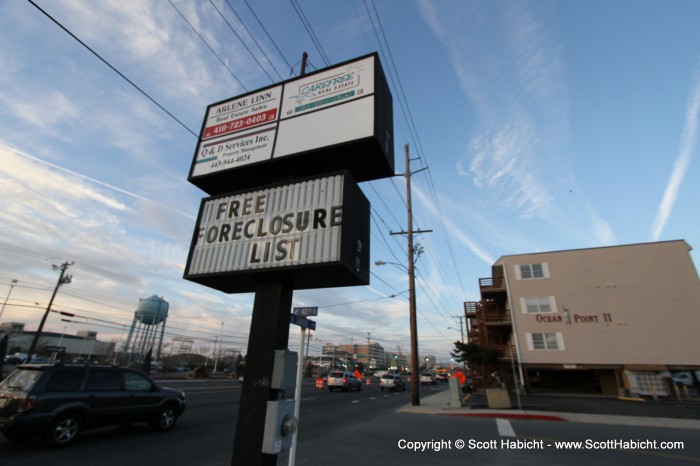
255,41
310,32
144,93
211,49
230,26
268,35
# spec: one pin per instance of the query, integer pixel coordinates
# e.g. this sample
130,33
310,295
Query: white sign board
327,88
334,119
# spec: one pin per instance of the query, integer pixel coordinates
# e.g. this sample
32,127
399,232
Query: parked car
392,382
428,378
57,402
343,380
683,378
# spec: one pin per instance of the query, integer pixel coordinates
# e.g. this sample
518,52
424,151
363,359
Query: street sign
305,311
302,322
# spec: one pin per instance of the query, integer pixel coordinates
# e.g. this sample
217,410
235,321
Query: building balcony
492,284
497,318
470,308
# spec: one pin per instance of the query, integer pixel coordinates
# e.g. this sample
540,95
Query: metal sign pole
269,331
297,396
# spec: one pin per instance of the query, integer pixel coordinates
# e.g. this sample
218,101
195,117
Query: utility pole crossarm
413,232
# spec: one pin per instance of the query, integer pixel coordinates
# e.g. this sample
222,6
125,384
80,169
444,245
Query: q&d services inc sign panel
333,119
317,228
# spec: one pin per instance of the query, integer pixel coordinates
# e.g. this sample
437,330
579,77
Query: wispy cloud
452,229
682,163
518,153
93,180
514,81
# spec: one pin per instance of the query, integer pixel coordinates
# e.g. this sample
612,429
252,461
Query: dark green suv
57,402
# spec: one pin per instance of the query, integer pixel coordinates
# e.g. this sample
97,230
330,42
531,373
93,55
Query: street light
12,285
415,387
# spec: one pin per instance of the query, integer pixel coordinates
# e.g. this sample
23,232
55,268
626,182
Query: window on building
546,341
538,304
528,271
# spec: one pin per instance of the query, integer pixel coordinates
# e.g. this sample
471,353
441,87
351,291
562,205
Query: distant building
83,346
396,360
428,361
611,320
371,356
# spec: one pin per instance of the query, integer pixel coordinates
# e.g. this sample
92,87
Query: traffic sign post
298,318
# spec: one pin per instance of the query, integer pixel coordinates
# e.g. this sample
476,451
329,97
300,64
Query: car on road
683,378
442,376
343,381
392,382
58,401
428,378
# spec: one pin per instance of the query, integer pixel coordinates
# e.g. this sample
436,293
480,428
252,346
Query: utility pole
415,387
367,371
62,279
461,328
12,285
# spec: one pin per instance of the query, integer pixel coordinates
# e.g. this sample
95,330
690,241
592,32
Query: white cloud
682,163
29,108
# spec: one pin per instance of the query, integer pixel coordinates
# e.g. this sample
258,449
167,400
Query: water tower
147,329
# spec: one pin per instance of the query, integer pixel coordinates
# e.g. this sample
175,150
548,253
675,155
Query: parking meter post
269,331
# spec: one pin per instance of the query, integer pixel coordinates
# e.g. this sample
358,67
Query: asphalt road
351,428
204,434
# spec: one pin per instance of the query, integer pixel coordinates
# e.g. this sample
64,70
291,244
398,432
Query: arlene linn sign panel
316,230
333,119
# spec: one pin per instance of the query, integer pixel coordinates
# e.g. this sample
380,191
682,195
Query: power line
230,26
254,41
268,35
310,31
208,46
144,93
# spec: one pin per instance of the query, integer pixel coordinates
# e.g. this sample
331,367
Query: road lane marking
504,428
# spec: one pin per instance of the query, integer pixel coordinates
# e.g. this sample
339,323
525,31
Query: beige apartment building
612,320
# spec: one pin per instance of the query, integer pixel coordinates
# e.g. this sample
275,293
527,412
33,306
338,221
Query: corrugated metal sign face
290,225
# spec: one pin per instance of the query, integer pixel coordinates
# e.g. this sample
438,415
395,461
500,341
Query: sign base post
269,331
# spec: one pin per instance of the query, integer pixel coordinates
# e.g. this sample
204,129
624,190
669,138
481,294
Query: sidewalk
680,415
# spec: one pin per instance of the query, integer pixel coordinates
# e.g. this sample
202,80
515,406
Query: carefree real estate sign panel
318,228
334,119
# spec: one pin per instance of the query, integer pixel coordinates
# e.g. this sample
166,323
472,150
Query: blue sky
545,125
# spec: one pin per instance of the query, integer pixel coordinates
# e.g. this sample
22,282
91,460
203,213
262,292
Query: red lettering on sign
239,124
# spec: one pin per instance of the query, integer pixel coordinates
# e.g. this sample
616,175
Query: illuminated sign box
333,119
315,230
